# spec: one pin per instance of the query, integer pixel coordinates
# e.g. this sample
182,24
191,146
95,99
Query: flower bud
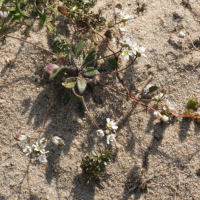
20,137
50,68
110,25
4,12
100,133
63,10
58,141
165,118
157,114
43,142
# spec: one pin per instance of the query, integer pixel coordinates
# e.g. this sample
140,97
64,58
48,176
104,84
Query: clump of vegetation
192,107
93,165
193,104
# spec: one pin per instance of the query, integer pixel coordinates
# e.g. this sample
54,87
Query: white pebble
181,34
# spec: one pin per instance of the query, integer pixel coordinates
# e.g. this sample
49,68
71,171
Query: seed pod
20,137
58,141
63,10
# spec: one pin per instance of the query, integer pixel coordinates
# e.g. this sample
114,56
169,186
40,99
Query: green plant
193,104
93,165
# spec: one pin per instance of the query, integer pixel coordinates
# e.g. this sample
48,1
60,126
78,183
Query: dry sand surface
151,160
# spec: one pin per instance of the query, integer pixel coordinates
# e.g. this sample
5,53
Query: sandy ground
163,159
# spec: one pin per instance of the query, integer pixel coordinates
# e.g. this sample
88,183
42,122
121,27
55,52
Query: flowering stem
6,35
118,22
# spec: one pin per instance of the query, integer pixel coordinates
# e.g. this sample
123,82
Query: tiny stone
181,34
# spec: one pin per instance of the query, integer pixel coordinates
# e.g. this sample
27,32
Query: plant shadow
134,185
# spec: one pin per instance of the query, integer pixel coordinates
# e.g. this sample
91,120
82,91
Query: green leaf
52,9
91,71
79,47
51,28
90,58
43,19
110,63
56,72
153,88
69,83
19,9
81,84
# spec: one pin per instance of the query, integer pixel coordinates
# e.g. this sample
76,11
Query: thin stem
102,38
43,122
89,113
118,22
97,60
110,87
6,35
120,69
140,103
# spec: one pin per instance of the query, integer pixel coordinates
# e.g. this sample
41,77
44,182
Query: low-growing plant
93,165
76,67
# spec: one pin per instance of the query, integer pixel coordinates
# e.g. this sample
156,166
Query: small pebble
181,34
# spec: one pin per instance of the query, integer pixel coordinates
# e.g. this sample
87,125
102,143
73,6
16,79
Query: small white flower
165,118
157,114
100,133
58,141
125,17
43,142
111,124
125,40
4,14
169,106
37,147
28,150
122,30
107,132
158,97
133,47
42,157
111,138
126,53
117,11
141,51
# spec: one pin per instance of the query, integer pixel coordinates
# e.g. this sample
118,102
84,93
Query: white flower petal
165,118
108,120
157,114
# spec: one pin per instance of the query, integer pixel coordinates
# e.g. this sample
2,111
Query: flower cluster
39,147
131,48
109,132
165,114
